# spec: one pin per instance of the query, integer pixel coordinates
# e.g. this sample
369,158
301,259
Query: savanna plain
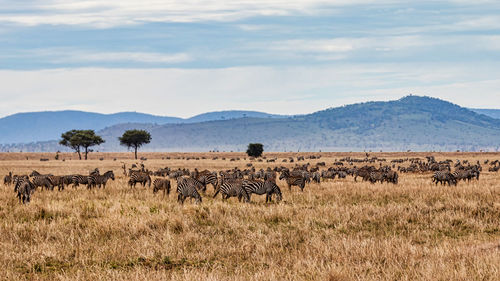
336,230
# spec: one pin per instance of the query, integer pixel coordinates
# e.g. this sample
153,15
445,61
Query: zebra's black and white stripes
188,187
262,187
232,188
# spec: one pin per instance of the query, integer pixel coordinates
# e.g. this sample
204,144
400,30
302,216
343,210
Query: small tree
255,149
135,139
77,139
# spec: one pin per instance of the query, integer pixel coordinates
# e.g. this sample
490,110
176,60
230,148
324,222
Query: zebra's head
110,175
284,174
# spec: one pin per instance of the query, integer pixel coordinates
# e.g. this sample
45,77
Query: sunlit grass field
336,230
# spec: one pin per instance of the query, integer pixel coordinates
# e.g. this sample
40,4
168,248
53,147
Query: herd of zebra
25,185
242,183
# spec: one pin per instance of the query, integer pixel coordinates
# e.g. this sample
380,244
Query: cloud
109,13
290,90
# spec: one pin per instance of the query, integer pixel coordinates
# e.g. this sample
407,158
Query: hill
411,123
48,125
494,113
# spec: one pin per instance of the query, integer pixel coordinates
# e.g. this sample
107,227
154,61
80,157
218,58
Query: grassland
338,230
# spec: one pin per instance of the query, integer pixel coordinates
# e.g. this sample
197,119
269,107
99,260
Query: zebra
67,180
42,181
391,176
161,184
24,188
57,181
141,177
81,179
206,177
101,180
17,180
376,176
188,187
293,180
261,187
7,180
232,188
444,177
316,177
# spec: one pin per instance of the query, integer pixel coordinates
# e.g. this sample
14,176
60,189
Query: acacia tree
78,139
255,149
69,141
135,139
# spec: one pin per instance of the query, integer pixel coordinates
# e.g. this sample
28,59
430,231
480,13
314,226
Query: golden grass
338,230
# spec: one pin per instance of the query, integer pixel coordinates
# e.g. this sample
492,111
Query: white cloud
108,13
291,90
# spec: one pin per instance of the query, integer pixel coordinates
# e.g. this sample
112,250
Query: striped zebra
292,180
24,189
206,177
376,176
7,180
232,188
101,180
81,179
162,184
141,177
444,177
57,181
42,181
67,180
262,187
17,180
188,187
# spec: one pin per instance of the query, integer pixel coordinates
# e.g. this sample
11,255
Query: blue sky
181,58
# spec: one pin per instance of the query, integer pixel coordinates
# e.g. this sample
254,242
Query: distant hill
411,123
494,113
232,114
48,125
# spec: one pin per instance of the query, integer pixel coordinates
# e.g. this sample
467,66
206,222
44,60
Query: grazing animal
101,180
292,180
24,189
161,184
232,188
141,177
7,180
80,179
206,177
262,187
57,181
391,176
376,176
188,187
42,181
444,177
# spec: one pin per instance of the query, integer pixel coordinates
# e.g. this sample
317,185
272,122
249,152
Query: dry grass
339,230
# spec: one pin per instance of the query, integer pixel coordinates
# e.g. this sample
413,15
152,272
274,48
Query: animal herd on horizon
243,183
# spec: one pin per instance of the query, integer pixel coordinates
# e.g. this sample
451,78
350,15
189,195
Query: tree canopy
77,139
135,139
255,149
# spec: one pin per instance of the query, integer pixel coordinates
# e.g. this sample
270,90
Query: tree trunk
79,154
135,152
86,152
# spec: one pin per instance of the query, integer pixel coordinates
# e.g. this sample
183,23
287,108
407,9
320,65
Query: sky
182,58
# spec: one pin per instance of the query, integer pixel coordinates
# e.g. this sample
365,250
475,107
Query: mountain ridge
411,123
